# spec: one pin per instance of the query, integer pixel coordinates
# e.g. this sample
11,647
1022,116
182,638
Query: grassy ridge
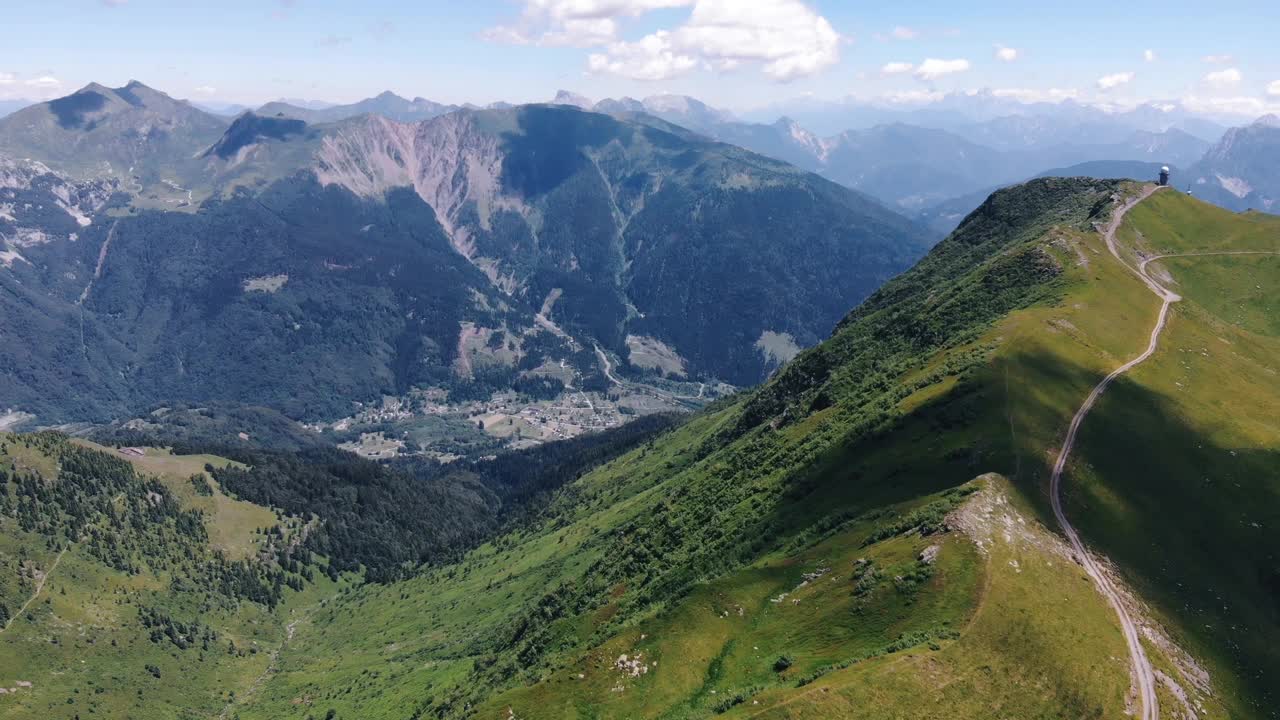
899,405
1177,468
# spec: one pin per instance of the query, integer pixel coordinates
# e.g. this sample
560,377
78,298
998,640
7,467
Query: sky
1217,57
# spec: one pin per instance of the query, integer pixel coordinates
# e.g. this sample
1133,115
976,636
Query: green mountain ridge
868,532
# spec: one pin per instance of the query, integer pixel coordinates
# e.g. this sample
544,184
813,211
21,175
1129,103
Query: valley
934,405
876,527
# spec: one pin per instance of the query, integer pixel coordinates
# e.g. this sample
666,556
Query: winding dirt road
1143,673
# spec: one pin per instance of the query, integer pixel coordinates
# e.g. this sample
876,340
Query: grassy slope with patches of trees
972,362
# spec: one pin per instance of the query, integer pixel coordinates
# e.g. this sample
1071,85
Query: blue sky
733,53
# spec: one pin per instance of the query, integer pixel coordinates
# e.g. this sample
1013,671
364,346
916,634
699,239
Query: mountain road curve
1143,673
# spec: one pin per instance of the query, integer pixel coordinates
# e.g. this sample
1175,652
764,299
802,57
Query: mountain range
551,236
143,237
892,525
912,167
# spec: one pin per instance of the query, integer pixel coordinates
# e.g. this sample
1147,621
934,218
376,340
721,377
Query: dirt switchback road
1143,673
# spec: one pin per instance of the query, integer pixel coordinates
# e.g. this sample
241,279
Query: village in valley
425,422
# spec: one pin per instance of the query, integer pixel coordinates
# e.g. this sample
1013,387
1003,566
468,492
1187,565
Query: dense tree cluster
128,522
388,520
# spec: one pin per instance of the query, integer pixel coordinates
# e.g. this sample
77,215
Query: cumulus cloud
1218,59
1006,54
573,23
582,32
1114,80
653,57
8,78
786,38
1223,79
1149,55
897,68
1274,89
932,68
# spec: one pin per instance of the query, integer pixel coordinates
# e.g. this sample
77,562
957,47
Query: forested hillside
315,269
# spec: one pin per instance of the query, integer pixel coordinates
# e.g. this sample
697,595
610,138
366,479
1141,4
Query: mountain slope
606,222
381,257
304,303
139,135
842,540
973,361
1239,172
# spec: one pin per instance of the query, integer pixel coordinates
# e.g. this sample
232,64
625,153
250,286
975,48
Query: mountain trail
39,588
1143,672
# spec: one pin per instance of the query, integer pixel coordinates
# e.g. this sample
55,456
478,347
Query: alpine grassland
867,534
673,556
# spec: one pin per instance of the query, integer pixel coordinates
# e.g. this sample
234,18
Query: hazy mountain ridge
912,162
1242,171
387,104
621,234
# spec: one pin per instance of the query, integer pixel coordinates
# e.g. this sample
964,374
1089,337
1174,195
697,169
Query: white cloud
1274,88
1223,79
1149,55
1249,107
904,33
785,37
44,82
206,90
584,32
8,78
573,23
1006,54
932,68
653,57
1032,95
1218,59
1114,80
897,68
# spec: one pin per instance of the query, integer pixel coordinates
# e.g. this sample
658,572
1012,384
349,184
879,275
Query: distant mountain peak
1272,120
95,87
564,97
